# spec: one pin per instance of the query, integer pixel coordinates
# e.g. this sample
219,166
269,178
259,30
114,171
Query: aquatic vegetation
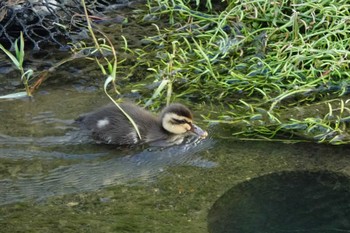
260,60
17,60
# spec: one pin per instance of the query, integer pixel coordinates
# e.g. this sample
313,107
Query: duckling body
109,125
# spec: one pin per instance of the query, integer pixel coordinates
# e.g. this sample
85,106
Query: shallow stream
53,179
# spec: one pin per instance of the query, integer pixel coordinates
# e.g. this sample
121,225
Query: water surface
53,179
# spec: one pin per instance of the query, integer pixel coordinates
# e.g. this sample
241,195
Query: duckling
109,125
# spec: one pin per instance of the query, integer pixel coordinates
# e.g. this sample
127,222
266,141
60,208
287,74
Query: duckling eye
177,121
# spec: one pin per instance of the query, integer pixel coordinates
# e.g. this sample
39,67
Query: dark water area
293,201
53,179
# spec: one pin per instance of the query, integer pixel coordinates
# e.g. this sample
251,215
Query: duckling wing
110,126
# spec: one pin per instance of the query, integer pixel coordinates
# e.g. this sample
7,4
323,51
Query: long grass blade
108,81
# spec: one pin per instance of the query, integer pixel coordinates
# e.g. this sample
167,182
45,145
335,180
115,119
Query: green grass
259,59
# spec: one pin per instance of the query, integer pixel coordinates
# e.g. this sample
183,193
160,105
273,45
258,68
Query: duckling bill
109,125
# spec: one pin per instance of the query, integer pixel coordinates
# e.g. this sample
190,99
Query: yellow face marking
176,124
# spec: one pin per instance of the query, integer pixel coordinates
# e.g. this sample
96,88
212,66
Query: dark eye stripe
177,121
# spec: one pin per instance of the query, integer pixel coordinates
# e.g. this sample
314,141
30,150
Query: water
53,179
293,201
79,164
94,171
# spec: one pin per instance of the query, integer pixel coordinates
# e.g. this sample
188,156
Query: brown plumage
110,126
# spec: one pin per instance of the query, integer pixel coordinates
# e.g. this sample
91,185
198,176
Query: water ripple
91,175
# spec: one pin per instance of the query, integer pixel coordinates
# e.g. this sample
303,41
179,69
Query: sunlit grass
262,59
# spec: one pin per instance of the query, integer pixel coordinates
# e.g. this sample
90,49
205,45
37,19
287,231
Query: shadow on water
298,201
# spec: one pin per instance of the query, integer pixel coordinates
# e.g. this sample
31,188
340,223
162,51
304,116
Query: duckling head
177,119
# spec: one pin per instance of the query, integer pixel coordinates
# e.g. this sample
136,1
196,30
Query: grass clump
264,60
